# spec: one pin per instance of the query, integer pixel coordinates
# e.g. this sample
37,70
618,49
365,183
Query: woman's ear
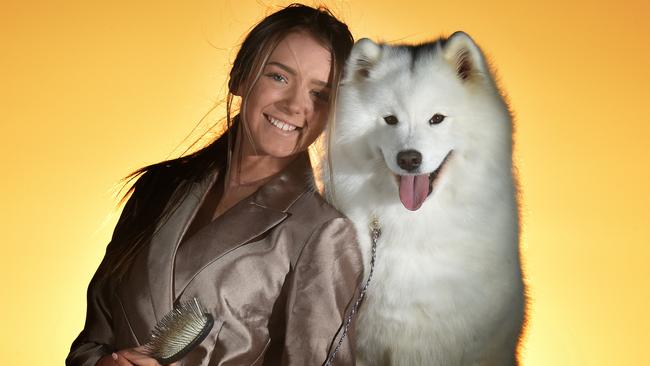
237,84
234,87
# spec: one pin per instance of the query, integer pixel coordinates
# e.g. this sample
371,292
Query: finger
138,358
141,349
121,361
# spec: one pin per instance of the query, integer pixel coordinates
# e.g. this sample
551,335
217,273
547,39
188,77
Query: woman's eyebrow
283,67
294,73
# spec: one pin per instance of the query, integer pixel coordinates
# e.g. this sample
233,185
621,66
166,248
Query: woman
236,224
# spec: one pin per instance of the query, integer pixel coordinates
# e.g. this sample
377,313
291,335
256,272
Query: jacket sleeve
322,289
97,337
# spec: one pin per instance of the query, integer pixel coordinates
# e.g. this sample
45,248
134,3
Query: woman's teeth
281,125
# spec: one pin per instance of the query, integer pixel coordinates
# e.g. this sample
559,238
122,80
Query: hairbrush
178,332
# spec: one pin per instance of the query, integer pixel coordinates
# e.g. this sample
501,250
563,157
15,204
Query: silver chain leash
375,233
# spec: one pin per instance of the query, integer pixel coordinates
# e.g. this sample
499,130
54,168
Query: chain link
375,233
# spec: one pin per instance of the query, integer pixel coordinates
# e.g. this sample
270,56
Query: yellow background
90,91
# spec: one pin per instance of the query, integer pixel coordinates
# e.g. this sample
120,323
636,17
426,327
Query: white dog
423,143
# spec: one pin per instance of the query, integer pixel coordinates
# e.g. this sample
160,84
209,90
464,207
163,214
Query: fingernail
114,355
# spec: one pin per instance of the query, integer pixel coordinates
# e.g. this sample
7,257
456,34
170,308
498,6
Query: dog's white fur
447,288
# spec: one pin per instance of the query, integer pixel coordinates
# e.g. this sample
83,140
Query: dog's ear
465,57
363,57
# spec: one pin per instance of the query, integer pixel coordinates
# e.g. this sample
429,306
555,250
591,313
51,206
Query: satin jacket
279,271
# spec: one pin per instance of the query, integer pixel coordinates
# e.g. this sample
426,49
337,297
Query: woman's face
290,99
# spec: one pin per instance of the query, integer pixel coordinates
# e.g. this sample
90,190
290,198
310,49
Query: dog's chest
425,272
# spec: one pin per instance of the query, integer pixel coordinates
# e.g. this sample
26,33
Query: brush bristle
178,331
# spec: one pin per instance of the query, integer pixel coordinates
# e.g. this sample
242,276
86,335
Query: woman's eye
320,95
277,77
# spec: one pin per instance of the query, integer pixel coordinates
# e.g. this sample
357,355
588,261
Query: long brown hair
160,187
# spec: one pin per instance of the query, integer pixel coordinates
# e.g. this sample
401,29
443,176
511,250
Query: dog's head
418,108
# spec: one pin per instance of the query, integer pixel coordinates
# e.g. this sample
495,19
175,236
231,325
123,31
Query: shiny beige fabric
278,272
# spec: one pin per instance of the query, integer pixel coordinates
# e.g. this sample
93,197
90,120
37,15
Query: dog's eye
391,120
437,118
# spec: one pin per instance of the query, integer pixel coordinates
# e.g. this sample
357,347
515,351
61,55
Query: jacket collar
170,269
287,186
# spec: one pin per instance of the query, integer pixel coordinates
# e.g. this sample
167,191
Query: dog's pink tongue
413,190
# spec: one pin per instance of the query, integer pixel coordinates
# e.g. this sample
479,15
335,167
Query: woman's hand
129,357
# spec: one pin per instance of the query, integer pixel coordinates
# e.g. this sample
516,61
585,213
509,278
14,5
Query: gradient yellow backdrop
90,90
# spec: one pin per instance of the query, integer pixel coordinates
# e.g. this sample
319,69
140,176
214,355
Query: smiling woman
236,224
287,107
284,108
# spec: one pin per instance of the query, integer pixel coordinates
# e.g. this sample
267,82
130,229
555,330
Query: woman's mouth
282,125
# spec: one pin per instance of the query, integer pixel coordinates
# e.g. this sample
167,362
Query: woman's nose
295,102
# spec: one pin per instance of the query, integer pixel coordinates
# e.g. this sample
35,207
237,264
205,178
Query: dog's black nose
409,160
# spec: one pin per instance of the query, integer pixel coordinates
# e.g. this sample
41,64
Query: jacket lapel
164,244
238,226
243,223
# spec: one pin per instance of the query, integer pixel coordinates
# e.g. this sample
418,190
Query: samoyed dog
422,142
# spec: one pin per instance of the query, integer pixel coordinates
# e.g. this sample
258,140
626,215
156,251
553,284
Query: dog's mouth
414,189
